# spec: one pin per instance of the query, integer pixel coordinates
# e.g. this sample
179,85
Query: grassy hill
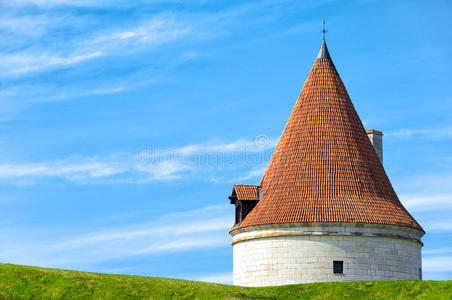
18,282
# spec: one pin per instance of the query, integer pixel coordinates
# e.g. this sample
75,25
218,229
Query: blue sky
124,126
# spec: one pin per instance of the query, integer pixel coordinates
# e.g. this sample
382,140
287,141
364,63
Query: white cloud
253,173
83,3
225,278
429,198
154,32
427,202
407,132
181,244
438,183
108,91
437,251
203,228
144,167
440,263
93,169
166,169
258,144
442,132
51,3
66,169
437,225
192,224
28,26
26,63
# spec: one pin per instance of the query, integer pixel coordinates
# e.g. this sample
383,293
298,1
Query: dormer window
244,197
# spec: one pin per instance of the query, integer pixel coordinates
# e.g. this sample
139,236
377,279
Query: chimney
376,138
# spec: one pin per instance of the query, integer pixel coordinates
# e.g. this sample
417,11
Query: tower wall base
290,253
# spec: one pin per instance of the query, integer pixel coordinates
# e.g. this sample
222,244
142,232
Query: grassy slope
31,282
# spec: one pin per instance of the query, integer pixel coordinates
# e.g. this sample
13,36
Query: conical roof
324,168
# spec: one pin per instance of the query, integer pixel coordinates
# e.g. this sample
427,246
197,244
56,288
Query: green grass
23,282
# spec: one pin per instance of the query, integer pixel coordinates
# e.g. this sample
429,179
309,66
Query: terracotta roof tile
324,168
247,192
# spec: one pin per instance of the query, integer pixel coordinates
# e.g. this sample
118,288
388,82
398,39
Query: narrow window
238,214
420,273
338,267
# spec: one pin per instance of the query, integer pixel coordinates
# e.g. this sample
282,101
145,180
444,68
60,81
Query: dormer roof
244,192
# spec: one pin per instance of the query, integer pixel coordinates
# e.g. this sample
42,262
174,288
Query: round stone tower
325,209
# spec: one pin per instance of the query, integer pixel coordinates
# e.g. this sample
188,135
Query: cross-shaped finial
324,30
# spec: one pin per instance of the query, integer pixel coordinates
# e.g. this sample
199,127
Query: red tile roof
246,192
324,168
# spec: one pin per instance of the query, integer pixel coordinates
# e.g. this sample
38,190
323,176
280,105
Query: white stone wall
287,254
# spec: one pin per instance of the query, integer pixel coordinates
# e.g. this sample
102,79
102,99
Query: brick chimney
376,138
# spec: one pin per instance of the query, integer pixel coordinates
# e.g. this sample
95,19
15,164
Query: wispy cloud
427,202
184,231
429,198
431,182
27,62
82,3
66,55
90,168
225,278
253,173
149,165
125,168
108,91
258,144
440,263
438,225
59,49
156,31
444,250
192,222
51,3
181,244
442,132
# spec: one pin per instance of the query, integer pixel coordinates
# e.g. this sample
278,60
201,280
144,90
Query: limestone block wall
301,253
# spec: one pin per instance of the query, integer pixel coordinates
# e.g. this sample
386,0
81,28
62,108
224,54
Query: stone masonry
302,253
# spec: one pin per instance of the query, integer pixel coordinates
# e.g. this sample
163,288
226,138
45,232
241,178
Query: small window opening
338,267
420,273
238,214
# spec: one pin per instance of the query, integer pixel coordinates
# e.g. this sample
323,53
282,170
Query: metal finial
324,30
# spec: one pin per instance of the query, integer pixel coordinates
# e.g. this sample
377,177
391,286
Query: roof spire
323,53
324,30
